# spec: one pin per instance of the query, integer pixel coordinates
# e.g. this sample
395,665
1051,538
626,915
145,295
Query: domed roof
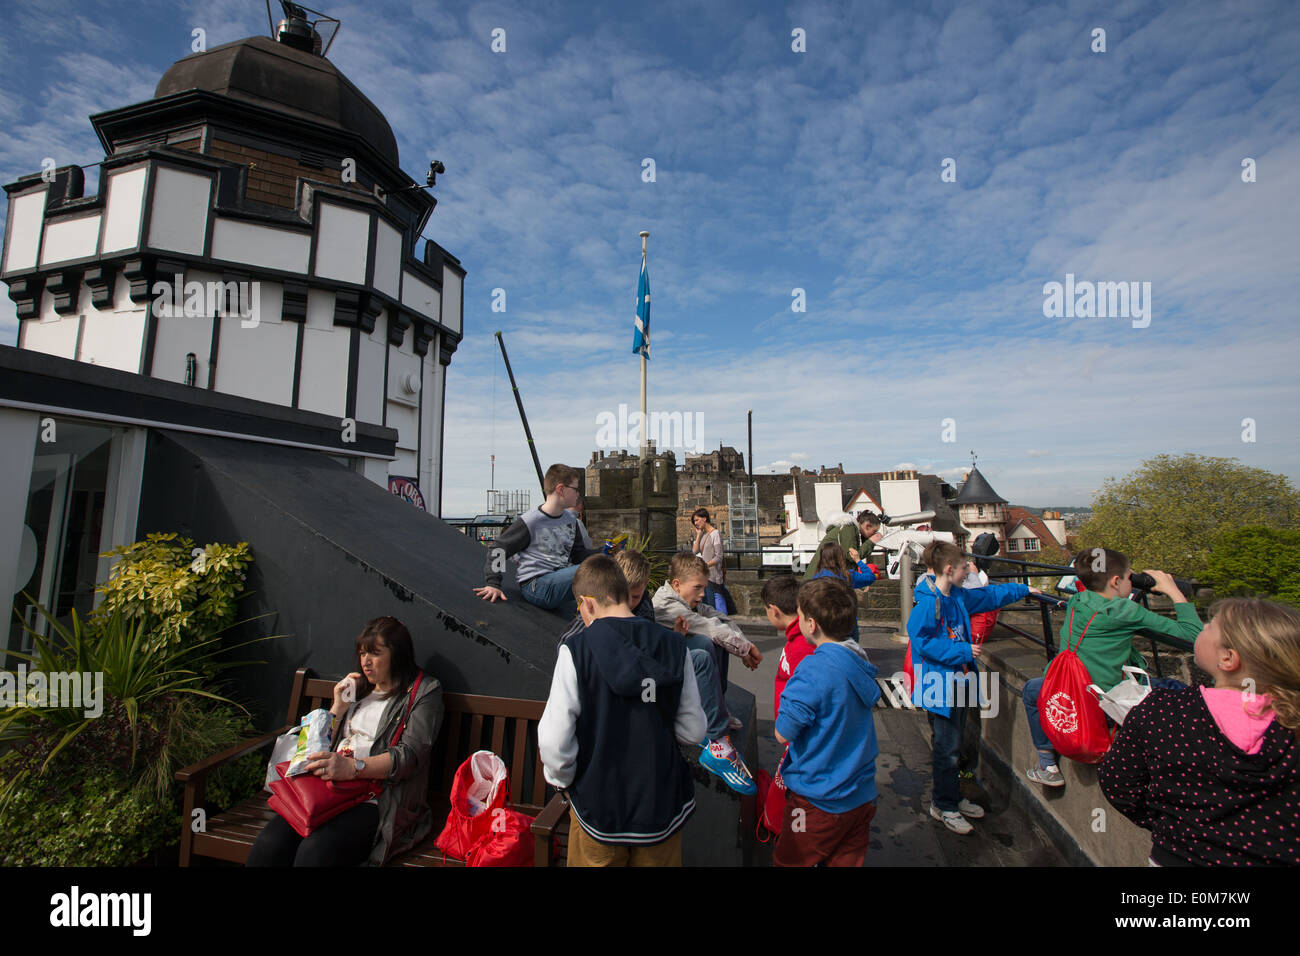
261,71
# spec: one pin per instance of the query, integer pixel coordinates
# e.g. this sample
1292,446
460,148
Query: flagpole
645,422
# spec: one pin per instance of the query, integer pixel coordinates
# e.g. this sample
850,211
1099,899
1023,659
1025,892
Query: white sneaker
968,809
953,820
733,723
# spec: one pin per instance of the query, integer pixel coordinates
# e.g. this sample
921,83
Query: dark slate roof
262,72
975,490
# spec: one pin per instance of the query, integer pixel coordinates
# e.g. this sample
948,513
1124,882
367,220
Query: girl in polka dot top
1214,772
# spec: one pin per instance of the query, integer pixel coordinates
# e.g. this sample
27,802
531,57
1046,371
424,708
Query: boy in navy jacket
622,696
825,717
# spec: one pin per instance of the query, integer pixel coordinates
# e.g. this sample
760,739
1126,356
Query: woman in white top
386,690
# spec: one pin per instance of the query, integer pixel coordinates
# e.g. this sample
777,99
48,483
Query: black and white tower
253,235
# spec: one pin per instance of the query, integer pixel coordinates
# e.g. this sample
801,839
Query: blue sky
778,170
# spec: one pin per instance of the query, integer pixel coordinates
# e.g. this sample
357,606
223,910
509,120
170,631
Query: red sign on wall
407,489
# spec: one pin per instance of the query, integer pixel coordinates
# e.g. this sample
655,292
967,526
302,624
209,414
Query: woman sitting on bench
370,704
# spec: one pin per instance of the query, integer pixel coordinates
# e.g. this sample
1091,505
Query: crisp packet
314,736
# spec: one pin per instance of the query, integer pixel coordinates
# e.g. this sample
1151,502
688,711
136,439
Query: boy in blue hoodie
944,670
825,717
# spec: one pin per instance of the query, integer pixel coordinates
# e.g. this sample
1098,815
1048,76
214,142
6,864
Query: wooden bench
504,725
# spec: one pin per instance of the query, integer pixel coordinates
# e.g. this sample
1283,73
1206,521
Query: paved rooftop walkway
903,834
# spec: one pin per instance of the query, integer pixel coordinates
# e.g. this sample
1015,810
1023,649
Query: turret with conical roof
979,508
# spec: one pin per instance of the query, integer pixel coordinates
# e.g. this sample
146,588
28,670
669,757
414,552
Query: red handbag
1070,715
306,802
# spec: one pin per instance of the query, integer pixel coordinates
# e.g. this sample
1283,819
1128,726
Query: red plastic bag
509,841
479,787
1070,715
908,677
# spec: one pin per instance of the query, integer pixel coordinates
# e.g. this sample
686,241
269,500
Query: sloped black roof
976,490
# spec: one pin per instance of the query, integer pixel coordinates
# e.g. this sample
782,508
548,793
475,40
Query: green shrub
185,596
78,818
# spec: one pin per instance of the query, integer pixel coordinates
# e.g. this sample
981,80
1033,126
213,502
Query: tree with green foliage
1256,562
1169,512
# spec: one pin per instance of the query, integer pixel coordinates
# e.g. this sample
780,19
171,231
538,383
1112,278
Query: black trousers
344,841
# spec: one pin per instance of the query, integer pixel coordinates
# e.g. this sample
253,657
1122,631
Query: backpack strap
1070,631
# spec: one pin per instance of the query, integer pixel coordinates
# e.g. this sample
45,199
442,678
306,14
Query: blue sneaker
731,769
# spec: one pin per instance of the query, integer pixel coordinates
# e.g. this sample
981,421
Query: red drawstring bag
908,677
509,841
771,801
981,625
481,829
1070,715
478,789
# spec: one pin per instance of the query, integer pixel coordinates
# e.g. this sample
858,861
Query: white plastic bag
489,775
281,751
1124,696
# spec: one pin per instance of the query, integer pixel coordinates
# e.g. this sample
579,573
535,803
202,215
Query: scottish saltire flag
641,335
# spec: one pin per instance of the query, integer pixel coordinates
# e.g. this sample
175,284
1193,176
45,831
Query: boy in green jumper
1109,643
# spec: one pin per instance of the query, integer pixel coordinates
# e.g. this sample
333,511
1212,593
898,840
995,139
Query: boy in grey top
550,541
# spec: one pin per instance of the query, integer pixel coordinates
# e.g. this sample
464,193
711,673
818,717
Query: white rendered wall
431,466
257,362
900,496
451,283
179,220
342,243
420,296
403,406
54,334
179,334
67,239
828,499
26,216
113,336
370,373
324,382
373,469
388,259
124,207
260,245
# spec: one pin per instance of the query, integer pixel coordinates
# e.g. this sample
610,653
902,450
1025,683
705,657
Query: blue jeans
553,591
714,597
1041,743
711,699
946,732
720,657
